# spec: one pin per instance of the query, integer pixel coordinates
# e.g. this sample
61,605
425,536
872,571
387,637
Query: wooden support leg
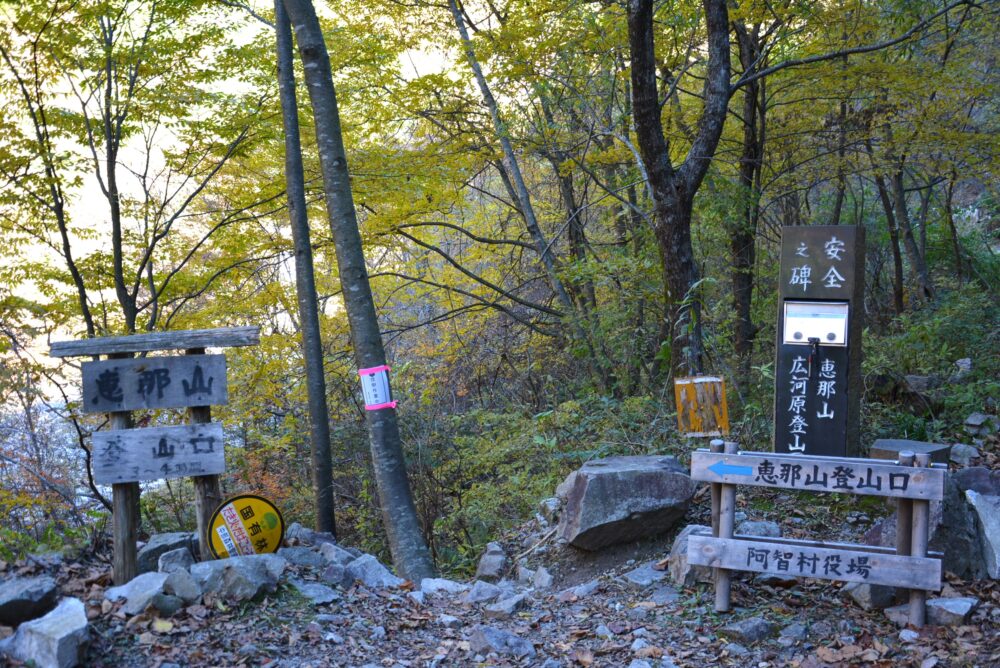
727,521
124,517
918,547
207,490
904,524
716,445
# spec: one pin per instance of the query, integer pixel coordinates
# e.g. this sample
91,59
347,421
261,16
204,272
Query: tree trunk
897,258
305,284
917,264
406,541
673,189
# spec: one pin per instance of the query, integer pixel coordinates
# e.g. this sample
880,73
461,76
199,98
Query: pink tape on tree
389,404
374,369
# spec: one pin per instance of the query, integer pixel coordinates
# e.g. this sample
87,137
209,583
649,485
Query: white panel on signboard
824,321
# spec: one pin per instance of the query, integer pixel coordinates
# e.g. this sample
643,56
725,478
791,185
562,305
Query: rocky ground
325,608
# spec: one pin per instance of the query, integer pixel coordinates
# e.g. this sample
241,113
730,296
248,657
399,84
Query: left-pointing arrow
721,468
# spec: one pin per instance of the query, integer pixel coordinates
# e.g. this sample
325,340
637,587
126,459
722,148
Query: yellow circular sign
246,524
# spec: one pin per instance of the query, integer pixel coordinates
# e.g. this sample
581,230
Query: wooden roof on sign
225,337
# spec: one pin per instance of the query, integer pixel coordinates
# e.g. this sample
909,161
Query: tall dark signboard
820,318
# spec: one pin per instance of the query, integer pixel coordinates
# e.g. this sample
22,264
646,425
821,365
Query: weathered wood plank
154,382
157,453
225,337
701,406
844,475
804,559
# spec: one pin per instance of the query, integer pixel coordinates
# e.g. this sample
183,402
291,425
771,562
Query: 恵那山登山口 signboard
154,382
246,524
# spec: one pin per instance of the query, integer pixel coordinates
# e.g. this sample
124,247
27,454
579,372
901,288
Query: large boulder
618,499
149,556
57,640
239,578
370,572
987,512
952,532
22,599
493,563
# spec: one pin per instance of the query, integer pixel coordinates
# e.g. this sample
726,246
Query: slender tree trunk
949,213
917,264
897,257
305,284
406,541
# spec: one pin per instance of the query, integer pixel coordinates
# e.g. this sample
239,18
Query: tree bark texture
673,189
305,284
406,541
917,264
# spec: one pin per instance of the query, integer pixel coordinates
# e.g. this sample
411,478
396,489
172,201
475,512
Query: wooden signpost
912,481
123,456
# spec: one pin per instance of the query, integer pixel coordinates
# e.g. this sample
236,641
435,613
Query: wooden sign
157,453
701,406
154,382
848,563
819,474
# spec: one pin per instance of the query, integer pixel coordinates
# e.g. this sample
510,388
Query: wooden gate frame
908,565
125,496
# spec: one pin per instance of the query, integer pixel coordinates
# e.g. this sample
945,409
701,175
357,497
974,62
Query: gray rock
979,479
295,533
987,513
640,663
246,581
524,574
795,632
318,594
775,580
763,529
416,596
963,368
751,630
549,508
482,592
57,640
681,572
899,614
982,425
22,599
209,574
167,604
952,532
964,455
906,635
644,576
542,579
334,554
334,574
736,649
870,596
951,611
602,631
149,556
181,584
137,592
449,621
489,639
302,556
620,499
664,595
179,559
431,586
371,573
493,563
638,643
506,607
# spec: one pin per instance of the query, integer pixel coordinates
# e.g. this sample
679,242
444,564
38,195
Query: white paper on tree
375,387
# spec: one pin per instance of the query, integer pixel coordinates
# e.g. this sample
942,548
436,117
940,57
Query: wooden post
715,445
918,546
727,521
904,522
124,512
207,490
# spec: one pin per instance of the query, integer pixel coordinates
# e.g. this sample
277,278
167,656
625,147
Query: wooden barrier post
715,445
904,521
727,522
124,511
207,489
918,546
